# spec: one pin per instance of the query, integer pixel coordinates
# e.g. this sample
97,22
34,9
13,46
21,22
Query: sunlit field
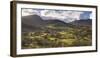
52,36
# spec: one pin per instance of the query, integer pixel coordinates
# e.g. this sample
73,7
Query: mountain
55,22
82,22
31,23
35,22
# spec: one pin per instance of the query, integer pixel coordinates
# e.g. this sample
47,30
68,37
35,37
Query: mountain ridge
35,22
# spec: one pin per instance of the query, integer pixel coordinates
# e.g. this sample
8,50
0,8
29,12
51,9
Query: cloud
67,16
72,14
51,13
26,12
63,15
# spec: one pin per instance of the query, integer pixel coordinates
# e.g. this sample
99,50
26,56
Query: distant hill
82,22
35,22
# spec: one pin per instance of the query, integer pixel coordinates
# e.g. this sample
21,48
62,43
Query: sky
63,15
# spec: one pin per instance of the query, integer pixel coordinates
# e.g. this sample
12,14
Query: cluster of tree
50,37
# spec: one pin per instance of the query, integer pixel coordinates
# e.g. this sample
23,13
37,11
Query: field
54,35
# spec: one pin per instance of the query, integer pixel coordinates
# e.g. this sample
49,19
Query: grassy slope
54,35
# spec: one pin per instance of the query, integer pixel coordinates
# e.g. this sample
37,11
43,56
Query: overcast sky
64,15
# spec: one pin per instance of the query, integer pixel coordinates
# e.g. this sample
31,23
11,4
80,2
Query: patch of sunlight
68,41
52,38
62,32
